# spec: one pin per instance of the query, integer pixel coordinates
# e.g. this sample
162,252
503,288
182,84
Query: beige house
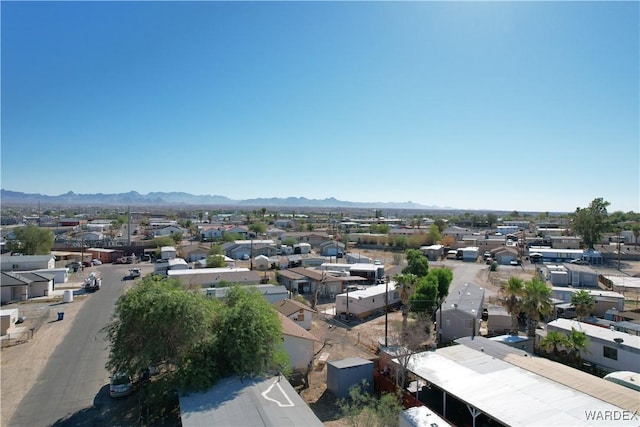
298,312
298,343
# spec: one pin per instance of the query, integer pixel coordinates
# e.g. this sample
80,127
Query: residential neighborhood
341,294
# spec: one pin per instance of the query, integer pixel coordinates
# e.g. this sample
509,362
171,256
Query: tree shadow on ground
326,407
104,412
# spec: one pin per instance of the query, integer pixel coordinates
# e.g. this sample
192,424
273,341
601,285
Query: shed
470,253
302,248
8,318
261,262
343,374
168,252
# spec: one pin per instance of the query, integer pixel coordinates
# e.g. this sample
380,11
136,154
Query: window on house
610,353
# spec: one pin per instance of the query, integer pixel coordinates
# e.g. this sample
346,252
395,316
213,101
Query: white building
611,350
298,343
168,252
604,300
364,302
27,262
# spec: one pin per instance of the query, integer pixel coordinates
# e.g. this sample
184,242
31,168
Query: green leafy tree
442,225
425,297
32,240
590,222
417,263
536,303
162,241
195,340
179,321
177,237
433,235
444,276
289,241
215,250
258,228
401,241
365,410
583,302
250,340
511,293
232,237
492,219
216,261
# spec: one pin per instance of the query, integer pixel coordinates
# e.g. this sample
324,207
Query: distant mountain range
134,198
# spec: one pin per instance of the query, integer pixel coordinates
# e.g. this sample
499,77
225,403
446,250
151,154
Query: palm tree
551,342
576,342
536,303
512,292
583,302
407,284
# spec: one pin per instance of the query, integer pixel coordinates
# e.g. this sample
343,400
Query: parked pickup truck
92,283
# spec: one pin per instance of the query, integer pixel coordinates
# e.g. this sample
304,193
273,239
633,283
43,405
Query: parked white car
96,262
120,385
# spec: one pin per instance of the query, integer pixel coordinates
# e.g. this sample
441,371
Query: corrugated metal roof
566,375
508,393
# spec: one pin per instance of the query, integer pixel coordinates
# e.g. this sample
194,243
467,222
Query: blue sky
499,105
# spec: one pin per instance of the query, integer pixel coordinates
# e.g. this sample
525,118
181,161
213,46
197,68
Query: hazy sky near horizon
528,106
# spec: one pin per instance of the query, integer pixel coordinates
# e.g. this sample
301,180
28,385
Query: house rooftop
593,331
236,402
292,329
466,299
563,374
508,393
290,306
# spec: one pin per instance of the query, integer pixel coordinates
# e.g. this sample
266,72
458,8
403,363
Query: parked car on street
134,273
120,385
74,265
96,262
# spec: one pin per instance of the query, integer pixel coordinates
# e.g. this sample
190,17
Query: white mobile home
607,349
604,300
364,302
27,262
168,252
470,253
373,273
433,252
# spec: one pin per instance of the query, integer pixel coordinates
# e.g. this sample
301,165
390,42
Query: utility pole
386,311
347,303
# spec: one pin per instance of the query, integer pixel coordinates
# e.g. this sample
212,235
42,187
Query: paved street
73,388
